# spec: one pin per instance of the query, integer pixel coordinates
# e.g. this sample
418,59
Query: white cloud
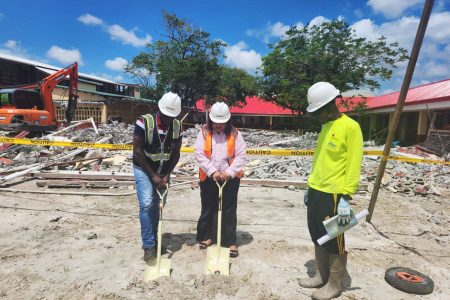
434,57
118,33
433,69
278,29
366,28
439,27
65,56
271,31
392,8
237,56
318,20
439,5
116,64
13,47
88,19
359,13
299,25
117,78
404,30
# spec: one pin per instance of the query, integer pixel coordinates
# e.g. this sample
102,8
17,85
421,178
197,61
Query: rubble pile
258,138
400,177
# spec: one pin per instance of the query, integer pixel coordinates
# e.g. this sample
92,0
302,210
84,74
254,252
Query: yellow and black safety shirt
337,158
158,142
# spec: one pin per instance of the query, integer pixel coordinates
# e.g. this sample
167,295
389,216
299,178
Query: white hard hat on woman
220,113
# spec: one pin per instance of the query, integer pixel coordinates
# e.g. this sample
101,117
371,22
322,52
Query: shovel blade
217,260
152,271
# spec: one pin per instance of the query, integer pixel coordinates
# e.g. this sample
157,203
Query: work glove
344,211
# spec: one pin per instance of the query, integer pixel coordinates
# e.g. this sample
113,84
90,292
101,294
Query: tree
327,52
233,86
186,62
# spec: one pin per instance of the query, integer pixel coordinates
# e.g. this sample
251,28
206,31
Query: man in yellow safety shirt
333,180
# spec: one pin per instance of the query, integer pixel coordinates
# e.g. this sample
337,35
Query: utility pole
401,101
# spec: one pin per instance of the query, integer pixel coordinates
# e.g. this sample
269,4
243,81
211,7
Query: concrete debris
400,177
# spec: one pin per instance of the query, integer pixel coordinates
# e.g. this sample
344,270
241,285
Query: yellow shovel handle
161,196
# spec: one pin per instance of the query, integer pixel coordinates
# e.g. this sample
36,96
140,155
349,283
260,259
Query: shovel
158,267
217,257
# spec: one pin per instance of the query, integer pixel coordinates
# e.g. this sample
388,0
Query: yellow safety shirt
337,158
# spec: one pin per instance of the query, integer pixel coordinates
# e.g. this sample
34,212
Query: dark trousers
207,223
322,206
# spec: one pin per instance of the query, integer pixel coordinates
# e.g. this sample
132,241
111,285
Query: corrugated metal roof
438,91
49,68
51,71
122,97
253,106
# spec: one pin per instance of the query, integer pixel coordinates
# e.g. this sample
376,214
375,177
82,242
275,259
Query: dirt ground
88,247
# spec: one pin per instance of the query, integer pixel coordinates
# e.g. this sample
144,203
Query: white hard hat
319,94
220,113
170,104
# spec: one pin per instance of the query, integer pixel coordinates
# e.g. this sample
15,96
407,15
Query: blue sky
103,35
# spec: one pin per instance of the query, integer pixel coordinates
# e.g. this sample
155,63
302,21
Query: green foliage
328,52
233,86
187,62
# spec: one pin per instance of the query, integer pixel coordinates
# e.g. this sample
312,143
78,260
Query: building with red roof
427,107
258,113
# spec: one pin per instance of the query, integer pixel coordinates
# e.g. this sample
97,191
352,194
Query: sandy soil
73,247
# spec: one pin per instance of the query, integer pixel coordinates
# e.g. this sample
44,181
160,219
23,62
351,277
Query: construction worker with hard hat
156,151
220,153
333,180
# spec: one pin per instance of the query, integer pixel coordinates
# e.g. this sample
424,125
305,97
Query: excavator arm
49,83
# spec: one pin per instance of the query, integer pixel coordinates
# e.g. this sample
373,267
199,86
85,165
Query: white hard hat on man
220,113
170,104
320,94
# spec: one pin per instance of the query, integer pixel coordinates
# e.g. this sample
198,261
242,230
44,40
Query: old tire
409,281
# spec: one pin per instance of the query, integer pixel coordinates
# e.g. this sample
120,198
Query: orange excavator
30,107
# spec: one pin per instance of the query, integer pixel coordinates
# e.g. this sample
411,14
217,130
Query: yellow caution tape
23,141
262,152
419,160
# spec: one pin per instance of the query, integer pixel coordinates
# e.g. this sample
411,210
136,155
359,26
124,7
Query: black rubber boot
322,270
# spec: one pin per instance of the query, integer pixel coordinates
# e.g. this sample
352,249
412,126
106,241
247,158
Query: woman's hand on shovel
224,176
216,176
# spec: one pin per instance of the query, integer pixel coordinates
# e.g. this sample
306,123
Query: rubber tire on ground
419,288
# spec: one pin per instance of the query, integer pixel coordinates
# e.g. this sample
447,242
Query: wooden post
372,125
422,126
401,100
104,113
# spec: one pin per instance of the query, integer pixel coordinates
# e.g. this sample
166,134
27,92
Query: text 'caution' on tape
261,152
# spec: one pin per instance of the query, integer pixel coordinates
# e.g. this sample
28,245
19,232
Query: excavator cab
22,109
30,107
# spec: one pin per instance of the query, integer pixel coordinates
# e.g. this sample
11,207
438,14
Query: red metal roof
428,93
254,106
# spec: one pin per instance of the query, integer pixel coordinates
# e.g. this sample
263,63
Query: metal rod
401,101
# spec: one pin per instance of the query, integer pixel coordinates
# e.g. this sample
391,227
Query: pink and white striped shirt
219,158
